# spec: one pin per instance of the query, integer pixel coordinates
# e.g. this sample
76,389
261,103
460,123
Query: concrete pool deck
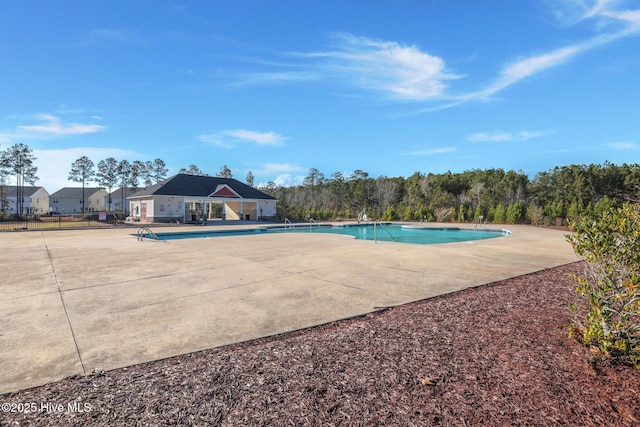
75,301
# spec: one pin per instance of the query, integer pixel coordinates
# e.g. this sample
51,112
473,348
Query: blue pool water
385,233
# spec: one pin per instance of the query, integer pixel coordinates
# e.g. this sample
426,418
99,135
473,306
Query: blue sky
278,87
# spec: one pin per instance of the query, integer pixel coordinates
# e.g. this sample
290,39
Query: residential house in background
35,200
69,200
119,199
191,198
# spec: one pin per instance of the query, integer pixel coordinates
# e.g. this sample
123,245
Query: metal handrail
140,235
362,215
313,221
286,221
375,237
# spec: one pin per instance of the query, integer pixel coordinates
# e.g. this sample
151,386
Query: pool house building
195,198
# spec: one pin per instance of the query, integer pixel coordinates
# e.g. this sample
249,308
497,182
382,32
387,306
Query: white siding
166,207
267,208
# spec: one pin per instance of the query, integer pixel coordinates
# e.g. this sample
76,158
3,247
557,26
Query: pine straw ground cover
494,355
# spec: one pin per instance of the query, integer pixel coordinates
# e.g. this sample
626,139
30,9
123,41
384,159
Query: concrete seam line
64,306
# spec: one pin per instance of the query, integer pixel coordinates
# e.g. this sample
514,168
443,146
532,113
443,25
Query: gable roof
27,191
128,192
76,192
224,191
200,186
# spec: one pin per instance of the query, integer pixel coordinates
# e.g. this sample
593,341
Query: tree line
489,195
111,173
17,164
224,172
127,176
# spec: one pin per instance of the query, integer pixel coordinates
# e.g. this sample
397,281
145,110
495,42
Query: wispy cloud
260,138
52,126
230,138
407,72
397,70
521,69
286,174
49,126
114,36
616,24
623,145
214,139
278,168
502,136
289,180
432,151
277,77
604,12
610,24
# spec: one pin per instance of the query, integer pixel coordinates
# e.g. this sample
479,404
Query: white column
204,210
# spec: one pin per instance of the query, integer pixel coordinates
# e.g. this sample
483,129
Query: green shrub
424,214
603,205
516,212
574,211
477,214
499,215
408,214
444,214
535,214
608,320
389,214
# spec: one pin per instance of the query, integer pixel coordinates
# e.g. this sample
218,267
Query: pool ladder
375,236
146,232
313,221
362,215
288,223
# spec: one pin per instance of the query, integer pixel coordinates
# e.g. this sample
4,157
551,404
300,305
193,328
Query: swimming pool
380,232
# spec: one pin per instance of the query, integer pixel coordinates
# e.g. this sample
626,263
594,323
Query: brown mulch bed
494,355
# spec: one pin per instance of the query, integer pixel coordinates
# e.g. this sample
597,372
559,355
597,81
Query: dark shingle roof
128,192
71,192
12,191
199,186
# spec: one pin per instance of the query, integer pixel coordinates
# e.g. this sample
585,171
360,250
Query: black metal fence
58,222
